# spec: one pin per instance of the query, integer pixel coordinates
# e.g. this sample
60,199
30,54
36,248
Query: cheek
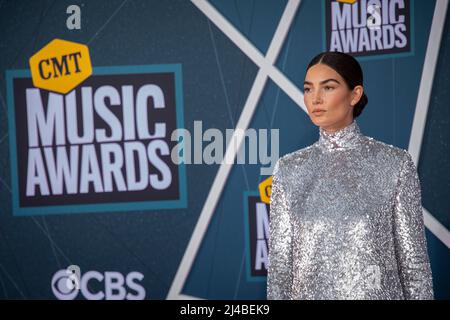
335,96
337,100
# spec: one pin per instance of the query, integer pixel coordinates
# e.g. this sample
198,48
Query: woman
345,215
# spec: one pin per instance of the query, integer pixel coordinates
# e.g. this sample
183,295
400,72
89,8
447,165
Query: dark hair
348,68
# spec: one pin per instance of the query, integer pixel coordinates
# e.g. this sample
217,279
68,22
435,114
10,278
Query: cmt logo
67,284
104,146
60,66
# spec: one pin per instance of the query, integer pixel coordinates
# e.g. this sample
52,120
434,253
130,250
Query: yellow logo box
60,66
347,1
265,190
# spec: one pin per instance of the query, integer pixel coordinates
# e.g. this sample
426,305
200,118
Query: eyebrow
323,82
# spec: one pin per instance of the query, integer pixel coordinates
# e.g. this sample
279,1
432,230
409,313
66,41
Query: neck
336,127
344,138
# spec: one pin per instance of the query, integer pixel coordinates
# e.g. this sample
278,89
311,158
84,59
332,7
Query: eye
328,88
306,90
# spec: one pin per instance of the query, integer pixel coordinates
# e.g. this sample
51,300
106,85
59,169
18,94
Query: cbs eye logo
66,283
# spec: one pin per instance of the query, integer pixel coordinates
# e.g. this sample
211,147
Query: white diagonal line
3,138
187,297
11,279
423,102
230,31
266,66
280,34
227,102
437,228
252,52
272,119
426,82
107,21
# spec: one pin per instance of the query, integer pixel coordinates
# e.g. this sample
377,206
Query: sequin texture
346,222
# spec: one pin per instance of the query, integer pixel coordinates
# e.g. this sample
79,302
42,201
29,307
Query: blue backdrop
217,77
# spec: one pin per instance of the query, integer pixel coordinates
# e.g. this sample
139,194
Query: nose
317,99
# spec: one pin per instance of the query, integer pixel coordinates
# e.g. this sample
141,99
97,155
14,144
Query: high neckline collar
342,139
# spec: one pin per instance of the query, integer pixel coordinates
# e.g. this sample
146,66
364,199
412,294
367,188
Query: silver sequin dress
346,222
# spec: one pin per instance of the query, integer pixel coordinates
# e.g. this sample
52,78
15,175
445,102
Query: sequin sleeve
279,274
409,232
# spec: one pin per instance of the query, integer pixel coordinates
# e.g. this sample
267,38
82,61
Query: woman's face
328,99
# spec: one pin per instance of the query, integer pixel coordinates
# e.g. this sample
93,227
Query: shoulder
389,160
292,159
394,163
384,152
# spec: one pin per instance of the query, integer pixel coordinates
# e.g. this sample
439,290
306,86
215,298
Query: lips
319,111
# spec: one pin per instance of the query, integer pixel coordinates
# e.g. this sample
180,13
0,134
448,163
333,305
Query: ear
357,93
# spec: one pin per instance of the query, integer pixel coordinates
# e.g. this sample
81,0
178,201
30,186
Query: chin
318,121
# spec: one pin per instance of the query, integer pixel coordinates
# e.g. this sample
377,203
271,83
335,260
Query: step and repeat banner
138,138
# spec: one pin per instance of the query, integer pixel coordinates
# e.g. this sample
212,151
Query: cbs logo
68,283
